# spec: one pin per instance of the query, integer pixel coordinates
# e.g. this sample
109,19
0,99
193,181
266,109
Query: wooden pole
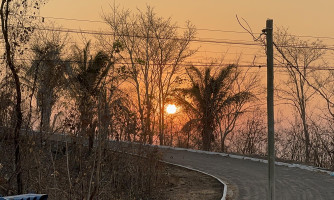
270,108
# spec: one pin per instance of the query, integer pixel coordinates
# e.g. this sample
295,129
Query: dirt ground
185,184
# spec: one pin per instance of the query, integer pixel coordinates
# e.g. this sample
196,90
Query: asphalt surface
248,179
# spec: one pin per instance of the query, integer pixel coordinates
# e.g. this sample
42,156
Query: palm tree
86,74
46,75
207,96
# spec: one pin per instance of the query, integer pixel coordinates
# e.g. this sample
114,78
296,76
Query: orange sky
307,17
301,17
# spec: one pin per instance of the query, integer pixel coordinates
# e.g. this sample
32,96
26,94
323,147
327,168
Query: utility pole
270,108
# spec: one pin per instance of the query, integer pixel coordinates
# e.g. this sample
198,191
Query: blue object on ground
26,197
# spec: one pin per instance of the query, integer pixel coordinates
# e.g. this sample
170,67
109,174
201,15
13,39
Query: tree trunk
222,145
4,12
149,132
307,138
206,138
46,103
18,125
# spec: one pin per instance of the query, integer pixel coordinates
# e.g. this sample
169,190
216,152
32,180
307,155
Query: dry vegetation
69,171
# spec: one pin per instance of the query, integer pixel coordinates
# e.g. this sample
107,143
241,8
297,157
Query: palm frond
238,98
191,125
187,106
194,74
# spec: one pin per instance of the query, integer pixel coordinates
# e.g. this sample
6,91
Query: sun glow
171,109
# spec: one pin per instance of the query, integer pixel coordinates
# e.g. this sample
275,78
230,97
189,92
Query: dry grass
68,171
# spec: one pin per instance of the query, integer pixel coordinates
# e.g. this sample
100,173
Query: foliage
208,95
46,73
85,76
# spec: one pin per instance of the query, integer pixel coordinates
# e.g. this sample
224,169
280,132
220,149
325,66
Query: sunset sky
302,18
305,18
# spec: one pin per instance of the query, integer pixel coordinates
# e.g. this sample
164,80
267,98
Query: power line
70,19
103,22
200,40
193,57
229,53
206,40
199,64
180,39
229,46
180,27
92,32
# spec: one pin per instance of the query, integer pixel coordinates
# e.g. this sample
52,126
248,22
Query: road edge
205,173
291,165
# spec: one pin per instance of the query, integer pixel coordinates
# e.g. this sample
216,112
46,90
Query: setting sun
171,108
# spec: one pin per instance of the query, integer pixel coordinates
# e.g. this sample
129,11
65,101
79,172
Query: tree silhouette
153,53
14,14
297,90
85,76
207,96
46,74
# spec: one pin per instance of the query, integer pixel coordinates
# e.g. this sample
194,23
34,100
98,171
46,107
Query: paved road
248,179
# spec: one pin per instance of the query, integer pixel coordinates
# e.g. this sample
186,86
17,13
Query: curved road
248,180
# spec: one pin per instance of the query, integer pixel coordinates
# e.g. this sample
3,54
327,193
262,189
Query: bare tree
243,81
250,138
171,52
16,29
299,56
152,55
